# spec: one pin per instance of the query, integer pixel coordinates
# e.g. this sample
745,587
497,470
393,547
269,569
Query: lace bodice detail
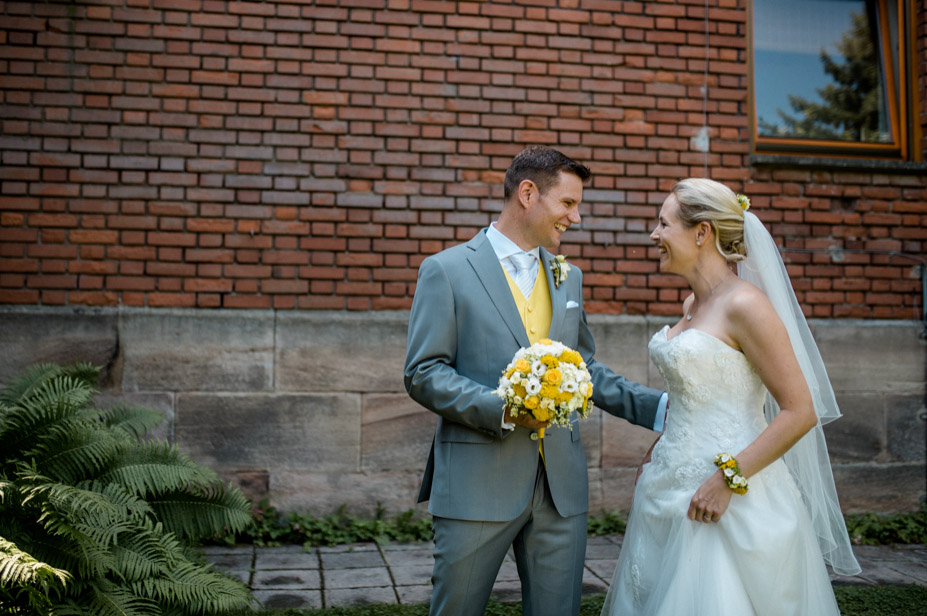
715,402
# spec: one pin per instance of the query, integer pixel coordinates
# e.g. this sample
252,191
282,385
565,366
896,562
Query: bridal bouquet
548,380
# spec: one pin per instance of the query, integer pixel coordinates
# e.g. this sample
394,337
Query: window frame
901,98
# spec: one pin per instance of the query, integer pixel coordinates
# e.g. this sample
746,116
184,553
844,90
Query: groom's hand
525,420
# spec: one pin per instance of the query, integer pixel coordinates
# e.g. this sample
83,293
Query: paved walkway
400,573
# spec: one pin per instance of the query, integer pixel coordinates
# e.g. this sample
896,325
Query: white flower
537,368
533,386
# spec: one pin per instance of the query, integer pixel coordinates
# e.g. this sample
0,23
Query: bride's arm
756,327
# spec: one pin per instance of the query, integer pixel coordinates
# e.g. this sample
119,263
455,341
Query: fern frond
17,568
60,552
6,488
146,552
108,599
217,511
83,452
198,587
88,521
77,503
48,403
27,585
155,468
35,375
135,421
119,496
84,371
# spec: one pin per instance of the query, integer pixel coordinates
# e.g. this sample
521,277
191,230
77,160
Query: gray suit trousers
468,556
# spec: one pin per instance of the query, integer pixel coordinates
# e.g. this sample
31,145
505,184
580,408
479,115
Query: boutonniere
560,268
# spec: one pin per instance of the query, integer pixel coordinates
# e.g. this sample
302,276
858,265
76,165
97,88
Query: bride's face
673,238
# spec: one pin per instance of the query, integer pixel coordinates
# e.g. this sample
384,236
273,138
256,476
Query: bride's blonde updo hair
703,200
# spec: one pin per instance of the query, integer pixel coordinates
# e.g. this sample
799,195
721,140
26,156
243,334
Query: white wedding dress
762,557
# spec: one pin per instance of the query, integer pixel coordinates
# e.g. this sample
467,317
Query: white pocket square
572,304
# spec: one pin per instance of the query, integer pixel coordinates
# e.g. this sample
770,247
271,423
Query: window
831,77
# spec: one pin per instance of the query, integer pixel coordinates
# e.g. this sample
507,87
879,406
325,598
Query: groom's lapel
557,296
484,261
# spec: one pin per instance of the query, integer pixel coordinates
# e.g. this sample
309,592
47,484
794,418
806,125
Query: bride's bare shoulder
747,306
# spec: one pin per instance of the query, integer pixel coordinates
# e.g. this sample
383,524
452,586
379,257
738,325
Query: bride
735,512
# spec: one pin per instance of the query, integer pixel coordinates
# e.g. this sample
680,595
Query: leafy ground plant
96,521
273,528
878,529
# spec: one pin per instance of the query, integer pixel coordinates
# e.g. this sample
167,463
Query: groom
490,482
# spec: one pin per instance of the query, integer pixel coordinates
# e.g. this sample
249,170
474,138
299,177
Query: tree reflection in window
820,71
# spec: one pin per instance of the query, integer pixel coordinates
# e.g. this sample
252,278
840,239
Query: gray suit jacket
463,330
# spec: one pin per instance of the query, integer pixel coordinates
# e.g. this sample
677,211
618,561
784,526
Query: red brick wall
310,154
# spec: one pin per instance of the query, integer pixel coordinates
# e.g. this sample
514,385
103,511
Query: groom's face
552,213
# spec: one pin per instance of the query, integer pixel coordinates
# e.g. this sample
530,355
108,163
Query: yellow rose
523,365
564,397
546,341
532,402
509,373
519,390
571,357
549,360
553,376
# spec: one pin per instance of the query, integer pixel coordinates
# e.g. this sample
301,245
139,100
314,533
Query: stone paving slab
352,560
360,596
603,569
358,577
410,557
278,558
411,575
241,560
287,579
362,574
289,598
410,595
593,584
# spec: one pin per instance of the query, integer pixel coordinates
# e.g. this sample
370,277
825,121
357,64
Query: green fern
134,421
152,468
95,521
35,581
197,514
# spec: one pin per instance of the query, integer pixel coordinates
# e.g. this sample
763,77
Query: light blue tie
524,280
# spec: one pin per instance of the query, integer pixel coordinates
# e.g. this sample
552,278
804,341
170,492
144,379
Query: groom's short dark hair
541,165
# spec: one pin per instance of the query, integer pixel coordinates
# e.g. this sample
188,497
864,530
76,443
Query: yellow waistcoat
536,311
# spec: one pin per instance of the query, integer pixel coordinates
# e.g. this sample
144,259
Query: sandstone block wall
308,408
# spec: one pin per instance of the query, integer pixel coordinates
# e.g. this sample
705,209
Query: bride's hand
711,499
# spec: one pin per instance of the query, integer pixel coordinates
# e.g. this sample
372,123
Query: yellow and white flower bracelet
731,471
